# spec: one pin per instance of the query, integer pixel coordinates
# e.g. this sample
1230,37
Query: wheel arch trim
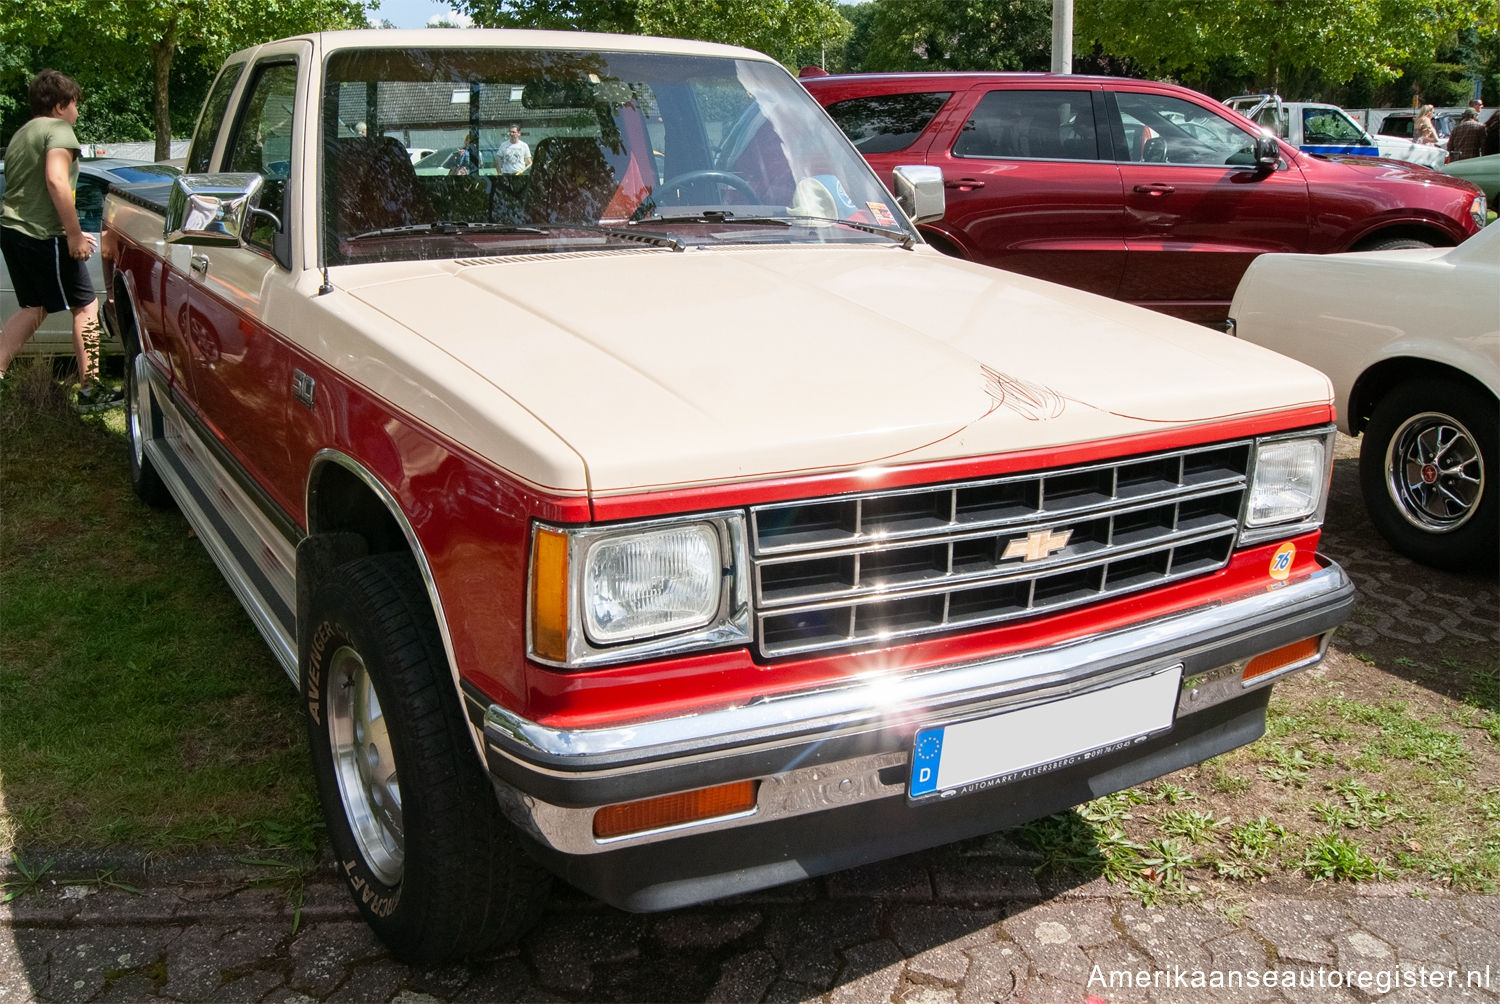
387,499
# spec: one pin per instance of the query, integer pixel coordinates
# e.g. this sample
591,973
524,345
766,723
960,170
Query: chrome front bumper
851,744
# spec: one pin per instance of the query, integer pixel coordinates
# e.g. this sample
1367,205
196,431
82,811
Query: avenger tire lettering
433,866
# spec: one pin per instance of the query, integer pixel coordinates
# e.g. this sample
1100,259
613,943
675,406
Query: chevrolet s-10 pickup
665,515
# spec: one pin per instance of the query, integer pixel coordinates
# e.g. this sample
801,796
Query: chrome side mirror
919,191
212,210
1267,152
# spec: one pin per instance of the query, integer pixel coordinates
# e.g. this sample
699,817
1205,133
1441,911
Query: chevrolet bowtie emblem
1036,545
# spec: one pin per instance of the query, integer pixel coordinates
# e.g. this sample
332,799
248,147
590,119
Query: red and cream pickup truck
667,515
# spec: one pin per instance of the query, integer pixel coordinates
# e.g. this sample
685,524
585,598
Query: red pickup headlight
609,594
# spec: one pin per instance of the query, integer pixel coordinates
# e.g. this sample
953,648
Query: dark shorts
43,273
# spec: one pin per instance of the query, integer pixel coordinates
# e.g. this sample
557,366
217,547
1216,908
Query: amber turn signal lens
1286,655
674,810
549,595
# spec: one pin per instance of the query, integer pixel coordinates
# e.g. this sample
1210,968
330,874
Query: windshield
536,151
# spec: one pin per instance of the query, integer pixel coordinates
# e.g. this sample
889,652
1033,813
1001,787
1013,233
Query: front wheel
434,867
1427,469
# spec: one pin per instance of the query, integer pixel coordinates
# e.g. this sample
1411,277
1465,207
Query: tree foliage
1270,42
780,28
957,35
115,47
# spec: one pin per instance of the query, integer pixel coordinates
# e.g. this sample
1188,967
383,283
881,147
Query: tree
115,39
780,28
1274,41
952,35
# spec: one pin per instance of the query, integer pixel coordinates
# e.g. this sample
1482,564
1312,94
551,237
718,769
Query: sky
413,13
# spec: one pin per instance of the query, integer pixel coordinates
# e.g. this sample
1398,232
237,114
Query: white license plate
970,756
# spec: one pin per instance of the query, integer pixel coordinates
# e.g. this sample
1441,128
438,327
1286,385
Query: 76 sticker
1281,561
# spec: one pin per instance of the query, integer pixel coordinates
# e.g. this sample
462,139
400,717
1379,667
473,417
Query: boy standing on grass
44,246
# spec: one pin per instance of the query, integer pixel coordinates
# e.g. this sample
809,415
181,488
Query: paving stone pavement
204,931
957,925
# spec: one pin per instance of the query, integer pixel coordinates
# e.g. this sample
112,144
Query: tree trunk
161,73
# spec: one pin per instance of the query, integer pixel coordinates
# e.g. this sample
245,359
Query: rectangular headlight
1288,484
610,594
651,582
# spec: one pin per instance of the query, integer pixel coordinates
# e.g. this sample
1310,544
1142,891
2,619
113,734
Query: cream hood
662,369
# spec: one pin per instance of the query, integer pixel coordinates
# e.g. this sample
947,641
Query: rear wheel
433,865
1394,244
1428,469
140,426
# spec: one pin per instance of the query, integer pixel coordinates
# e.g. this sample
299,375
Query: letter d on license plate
973,755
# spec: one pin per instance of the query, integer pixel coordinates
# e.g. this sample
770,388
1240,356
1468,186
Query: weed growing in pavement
29,878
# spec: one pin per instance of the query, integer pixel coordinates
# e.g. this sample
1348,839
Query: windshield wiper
725,216
714,216
448,228
869,228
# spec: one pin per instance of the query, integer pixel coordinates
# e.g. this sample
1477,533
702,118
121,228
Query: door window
1329,125
1046,125
262,142
1160,129
886,123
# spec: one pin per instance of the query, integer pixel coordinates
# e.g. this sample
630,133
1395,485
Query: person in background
514,156
1423,131
44,246
468,155
1467,138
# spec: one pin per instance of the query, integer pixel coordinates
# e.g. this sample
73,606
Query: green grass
141,707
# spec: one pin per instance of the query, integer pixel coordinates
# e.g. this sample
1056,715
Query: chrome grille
863,569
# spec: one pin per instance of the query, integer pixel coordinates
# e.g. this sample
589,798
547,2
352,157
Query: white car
1411,341
55,336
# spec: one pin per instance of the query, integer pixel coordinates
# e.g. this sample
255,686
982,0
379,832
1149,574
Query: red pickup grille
864,569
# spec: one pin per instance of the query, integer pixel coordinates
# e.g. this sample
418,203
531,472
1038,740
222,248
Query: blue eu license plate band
962,757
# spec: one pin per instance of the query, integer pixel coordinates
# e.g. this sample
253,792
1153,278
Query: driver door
241,368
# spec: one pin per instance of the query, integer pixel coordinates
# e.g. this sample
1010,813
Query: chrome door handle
199,264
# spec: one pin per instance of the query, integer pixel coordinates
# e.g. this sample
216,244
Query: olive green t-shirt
28,208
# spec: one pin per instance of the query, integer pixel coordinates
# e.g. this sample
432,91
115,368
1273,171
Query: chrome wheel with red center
1434,472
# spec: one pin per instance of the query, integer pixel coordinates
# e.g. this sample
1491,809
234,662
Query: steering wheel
726,178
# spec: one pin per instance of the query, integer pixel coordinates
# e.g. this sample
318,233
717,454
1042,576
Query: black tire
141,424
1427,467
1394,244
433,865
